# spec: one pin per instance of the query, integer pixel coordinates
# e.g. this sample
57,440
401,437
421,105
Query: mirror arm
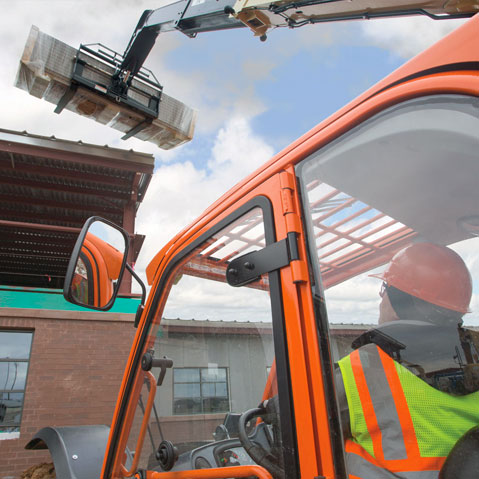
140,282
141,306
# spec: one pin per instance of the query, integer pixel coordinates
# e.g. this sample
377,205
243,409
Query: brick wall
76,367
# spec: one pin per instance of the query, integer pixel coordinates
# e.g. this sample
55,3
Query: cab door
222,312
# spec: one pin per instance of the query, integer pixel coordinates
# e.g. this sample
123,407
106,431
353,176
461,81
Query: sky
252,98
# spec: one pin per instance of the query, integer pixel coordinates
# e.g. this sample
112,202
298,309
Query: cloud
355,301
237,151
200,299
177,195
179,192
258,69
407,37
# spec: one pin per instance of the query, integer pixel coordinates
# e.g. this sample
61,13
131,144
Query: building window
200,390
15,349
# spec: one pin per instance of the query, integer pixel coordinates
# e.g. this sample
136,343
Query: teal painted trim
53,299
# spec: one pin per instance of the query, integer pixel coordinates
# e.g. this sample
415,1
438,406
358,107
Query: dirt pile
39,471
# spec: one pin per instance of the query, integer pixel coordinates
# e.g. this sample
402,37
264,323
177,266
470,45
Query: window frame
201,397
21,391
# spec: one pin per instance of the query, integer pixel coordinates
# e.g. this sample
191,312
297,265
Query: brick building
75,368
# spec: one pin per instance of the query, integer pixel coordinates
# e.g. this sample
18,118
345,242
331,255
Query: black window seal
447,68
322,328
288,428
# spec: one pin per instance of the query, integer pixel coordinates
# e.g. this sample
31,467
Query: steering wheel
267,459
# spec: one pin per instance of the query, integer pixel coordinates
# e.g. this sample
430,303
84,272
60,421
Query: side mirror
96,265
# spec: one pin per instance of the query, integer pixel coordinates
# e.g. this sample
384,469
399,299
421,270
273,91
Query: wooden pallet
46,70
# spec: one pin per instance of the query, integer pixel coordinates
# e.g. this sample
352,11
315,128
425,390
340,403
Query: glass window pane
10,410
213,374
208,389
221,390
187,390
13,375
187,375
15,345
212,405
187,406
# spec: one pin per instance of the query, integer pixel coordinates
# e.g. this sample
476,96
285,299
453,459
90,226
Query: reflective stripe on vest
359,465
384,443
374,384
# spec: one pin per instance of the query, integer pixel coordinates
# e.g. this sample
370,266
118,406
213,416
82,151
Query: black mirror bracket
139,312
141,306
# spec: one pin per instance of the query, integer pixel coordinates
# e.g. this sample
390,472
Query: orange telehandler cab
248,360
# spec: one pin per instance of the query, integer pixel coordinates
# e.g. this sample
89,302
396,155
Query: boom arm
197,16
188,16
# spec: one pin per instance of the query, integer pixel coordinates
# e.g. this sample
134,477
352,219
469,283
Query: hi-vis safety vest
401,427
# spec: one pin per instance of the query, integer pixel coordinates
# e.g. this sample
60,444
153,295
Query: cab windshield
392,213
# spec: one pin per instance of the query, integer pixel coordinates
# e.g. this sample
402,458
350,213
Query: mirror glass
98,267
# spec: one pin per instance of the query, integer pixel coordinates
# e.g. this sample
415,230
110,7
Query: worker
408,391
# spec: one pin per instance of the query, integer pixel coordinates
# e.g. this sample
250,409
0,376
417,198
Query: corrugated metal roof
78,146
48,188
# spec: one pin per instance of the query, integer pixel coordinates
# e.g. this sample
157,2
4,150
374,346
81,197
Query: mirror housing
96,265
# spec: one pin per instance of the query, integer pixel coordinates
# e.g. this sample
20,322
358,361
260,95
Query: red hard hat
433,273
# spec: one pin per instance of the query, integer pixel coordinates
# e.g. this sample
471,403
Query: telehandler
276,276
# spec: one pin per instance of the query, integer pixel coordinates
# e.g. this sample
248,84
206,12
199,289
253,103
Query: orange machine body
451,66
